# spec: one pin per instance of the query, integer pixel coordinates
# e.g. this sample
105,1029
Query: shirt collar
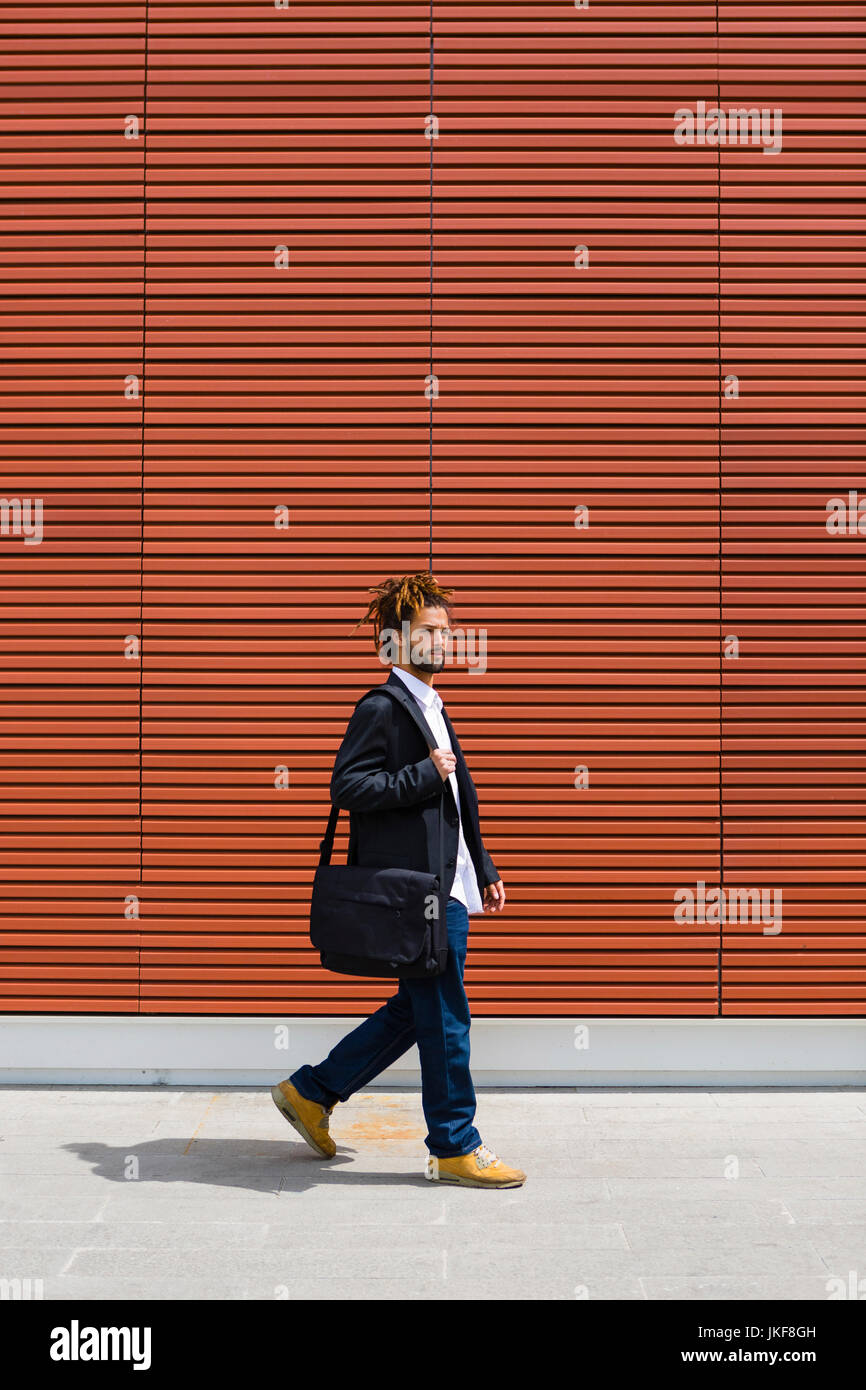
422,692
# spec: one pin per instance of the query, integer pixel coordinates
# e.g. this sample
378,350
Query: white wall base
112,1050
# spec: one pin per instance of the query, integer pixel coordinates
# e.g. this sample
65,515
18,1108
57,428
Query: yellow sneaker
481,1168
308,1117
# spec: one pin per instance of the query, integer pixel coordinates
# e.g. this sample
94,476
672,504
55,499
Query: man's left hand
494,897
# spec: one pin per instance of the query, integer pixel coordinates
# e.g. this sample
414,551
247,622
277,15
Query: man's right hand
445,761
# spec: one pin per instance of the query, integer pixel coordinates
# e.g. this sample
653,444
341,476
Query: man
392,784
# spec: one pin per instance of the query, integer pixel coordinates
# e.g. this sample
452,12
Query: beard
432,666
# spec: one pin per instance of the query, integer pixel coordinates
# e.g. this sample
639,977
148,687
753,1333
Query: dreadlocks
396,599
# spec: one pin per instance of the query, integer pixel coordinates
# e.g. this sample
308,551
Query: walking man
391,783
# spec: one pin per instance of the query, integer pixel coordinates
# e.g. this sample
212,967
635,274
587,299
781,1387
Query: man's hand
445,761
494,897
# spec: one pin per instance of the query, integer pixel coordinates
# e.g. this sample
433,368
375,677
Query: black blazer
384,776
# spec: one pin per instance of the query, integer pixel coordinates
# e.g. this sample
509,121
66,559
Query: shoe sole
286,1108
476,1182
456,1181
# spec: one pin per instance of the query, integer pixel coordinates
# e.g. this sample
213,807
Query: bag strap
326,845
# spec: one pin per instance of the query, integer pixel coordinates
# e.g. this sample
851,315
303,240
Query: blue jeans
433,1013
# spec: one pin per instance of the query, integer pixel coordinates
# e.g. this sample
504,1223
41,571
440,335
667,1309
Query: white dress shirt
465,887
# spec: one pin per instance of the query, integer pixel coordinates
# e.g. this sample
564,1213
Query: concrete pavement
111,1192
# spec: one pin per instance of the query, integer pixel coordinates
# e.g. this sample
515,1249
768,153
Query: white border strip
75,1049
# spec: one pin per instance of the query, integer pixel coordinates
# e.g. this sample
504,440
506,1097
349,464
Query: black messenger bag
386,923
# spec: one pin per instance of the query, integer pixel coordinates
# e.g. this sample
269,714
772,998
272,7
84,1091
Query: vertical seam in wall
142,388
719,494
431,143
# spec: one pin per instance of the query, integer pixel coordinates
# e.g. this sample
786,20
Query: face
428,639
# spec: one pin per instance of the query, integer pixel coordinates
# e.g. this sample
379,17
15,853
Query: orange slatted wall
268,336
